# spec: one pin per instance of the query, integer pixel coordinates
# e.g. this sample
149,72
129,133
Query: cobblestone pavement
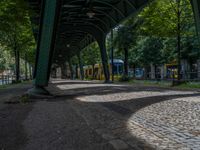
137,117
93,116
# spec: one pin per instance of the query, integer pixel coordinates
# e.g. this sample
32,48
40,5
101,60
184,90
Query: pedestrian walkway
93,116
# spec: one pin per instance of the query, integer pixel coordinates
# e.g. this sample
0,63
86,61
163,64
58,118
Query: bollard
173,78
2,79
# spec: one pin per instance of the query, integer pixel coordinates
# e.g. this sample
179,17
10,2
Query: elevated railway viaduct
63,28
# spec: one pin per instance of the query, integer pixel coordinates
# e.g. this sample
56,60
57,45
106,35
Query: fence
170,76
7,79
10,79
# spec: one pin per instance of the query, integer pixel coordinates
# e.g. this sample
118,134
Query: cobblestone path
95,116
138,117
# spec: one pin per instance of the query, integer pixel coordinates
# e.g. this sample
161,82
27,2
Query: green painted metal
38,91
112,54
75,25
108,13
196,8
45,46
80,66
104,58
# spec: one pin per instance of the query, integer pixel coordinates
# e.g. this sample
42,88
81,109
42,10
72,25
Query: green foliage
15,29
189,85
124,78
5,58
190,48
148,50
24,99
91,54
160,18
154,36
124,37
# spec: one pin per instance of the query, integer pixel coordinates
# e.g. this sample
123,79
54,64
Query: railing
7,79
172,76
10,79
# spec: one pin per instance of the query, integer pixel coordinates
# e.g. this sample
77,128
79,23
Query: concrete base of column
185,69
198,68
38,92
162,72
108,82
153,72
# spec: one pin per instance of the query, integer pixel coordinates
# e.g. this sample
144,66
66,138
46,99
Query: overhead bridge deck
64,27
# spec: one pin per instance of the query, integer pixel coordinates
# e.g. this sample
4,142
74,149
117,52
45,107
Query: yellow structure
96,71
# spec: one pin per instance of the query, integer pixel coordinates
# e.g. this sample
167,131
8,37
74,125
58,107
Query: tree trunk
81,67
179,57
145,72
134,69
152,74
71,70
30,72
125,61
63,71
76,71
26,65
93,72
17,64
179,41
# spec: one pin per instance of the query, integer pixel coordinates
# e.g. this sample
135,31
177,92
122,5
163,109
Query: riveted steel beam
104,58
196,8
46,41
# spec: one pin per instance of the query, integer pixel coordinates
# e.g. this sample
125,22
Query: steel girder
108,13
74,26
64,26
196,8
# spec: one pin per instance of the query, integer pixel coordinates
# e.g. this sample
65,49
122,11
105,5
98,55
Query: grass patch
185,85
124,78
5,86
151,82
190,85
24,99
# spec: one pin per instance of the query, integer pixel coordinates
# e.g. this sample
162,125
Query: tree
5,59
148,51
123,42
16,31
170,18
91,55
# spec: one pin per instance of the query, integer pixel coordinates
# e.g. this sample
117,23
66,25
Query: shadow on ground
13,135
125,113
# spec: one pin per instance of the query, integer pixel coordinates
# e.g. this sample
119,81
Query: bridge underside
64,27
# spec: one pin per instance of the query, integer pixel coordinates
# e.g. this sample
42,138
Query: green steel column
63,71
45,46
104,57
46,43
71,69
112,55
196,8
80,66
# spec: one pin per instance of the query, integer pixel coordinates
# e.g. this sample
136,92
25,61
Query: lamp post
112,55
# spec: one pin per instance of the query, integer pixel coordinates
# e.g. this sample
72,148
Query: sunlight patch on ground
170,124
195,99
78,86
127,96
